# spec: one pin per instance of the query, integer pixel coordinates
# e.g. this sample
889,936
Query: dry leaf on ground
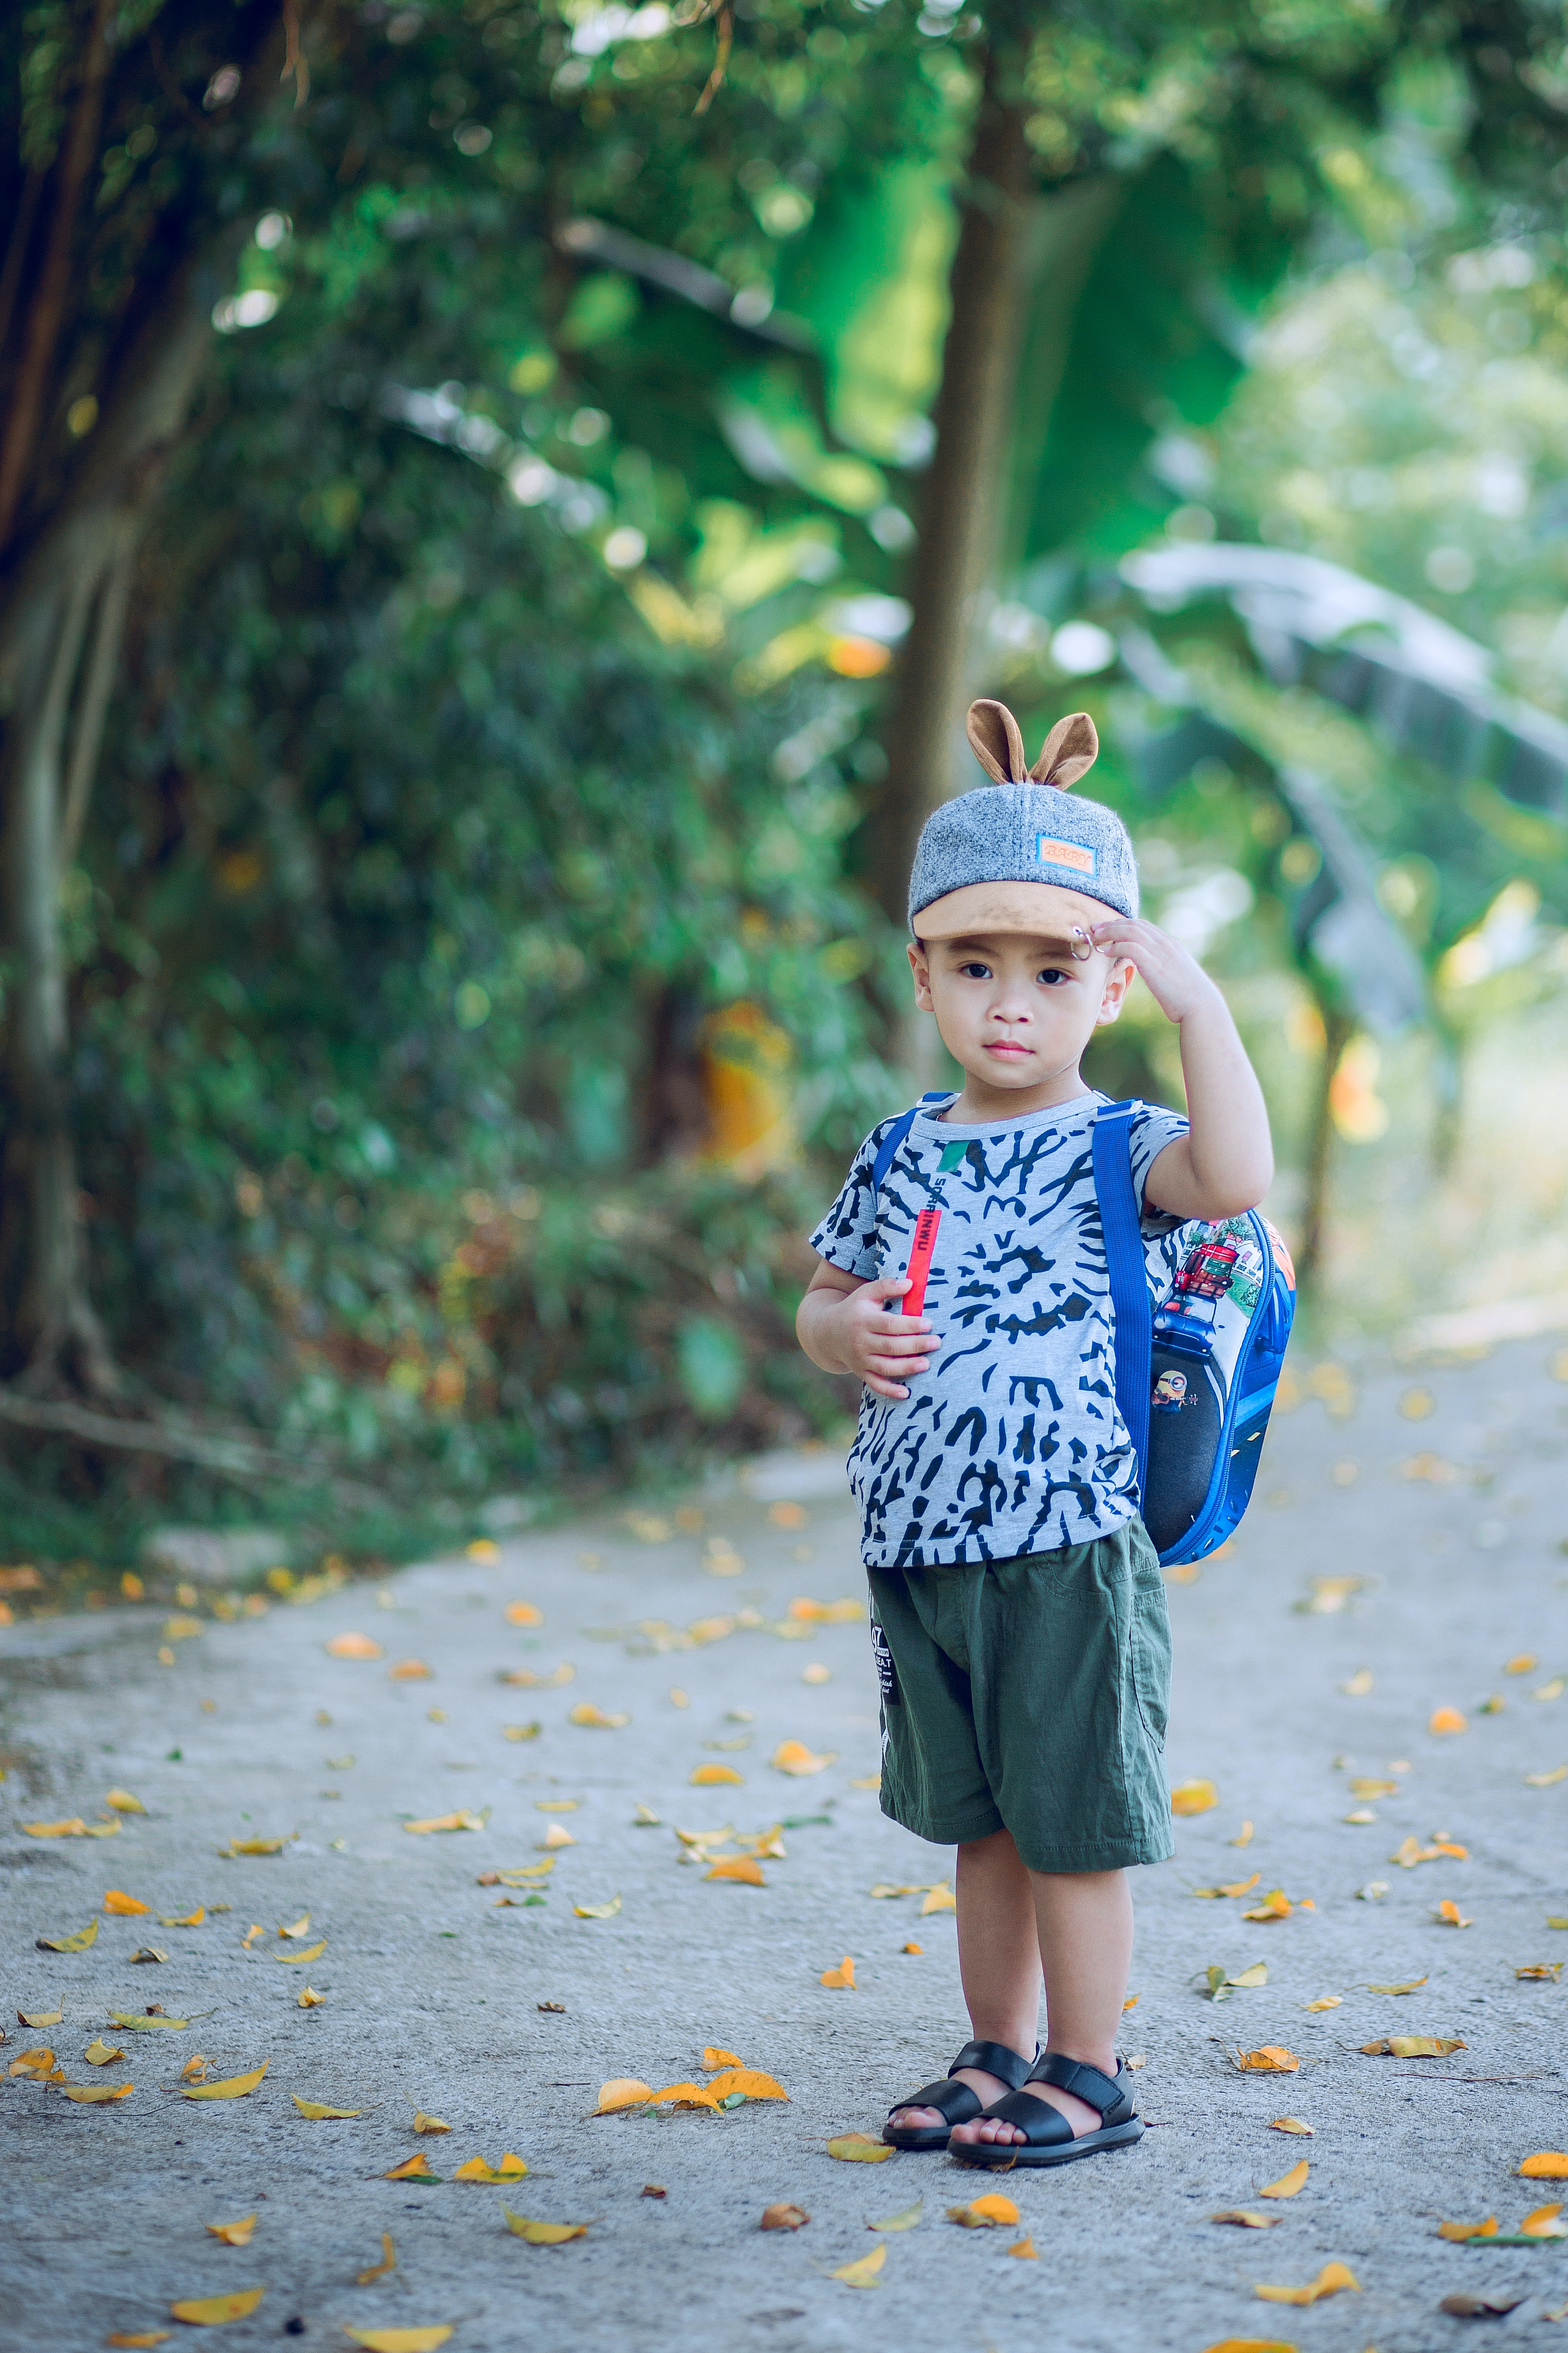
378,2271
352,1646
794,1757
905,2221
707,1777
863,2271
148,1954
1411,1984
1243,1836
463,1819
556,1835
598,1911
297,1928
587,1712
1246,2219
139,2336
622,2092
233,2087
1363,1786
986,2213
1464,2231
233,2235
409,1671
1026,2249
806,1612
1330,2281
939,1899
1543,2223
1291,2125
860,2148
424,2124
1542,1972
310,1953
96,2095
1466,2306
309,1999
713,2057
78,1943
1325,2001
36,2017
1447,1719
1412,2046
523,1613
255,1846
402,2340
784,2217
1359,1684
215,2311
33,2062
742,1867
316,2112
1236,1887
1449,1914
841,1978
412,2168
1546,2165
478,2168
1194,1798
1288,2184
542,2234
124,1907
525,1678
141,2022
101,2054
183,1919
1268,2059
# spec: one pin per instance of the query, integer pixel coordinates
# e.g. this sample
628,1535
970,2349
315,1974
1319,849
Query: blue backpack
1195,1372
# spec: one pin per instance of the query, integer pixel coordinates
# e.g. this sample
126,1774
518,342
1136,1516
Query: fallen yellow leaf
1236,1887
1288,2184
1464,2230
1363,1787
1411,1985
782,2217
233,2087
622,2092
598,1911
424,2124
1554,1690
33,2062
148,1953
477,2168
233,2235
705,1777
77,1943
1330,2281
183,1919
587,1712
1542,1972
1325,2001
520,1731
749,2082
1547,2164
1243,1836
794,1757
939,1899
309,1999
36,2017
463,1819
214,2311
743,1867
72,1827
378,2271
1194,1798
1246,2219
1269,2059
122,1907
912,1949
352,1646
863,2271
525,1678
1521,1664
101,2054
1276,1905
715,2057
906,2220
841,1978
95,2096
1026,2249
984,2213
296,1929
1412,2046
1291,2125
124,1802
806,1612
317,2111
542,2234
141,2022
1359,1684
556,1835
296,1960
1450,1915
522,1613
255,1846
1447,1719
195,2070
400,2340
145,2337
1546,1780
860,2148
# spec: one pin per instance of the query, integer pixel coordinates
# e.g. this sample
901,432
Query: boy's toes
913,2119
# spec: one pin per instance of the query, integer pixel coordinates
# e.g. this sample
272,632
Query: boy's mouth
1010,1045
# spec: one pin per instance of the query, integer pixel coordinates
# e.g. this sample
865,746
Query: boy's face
1015,1010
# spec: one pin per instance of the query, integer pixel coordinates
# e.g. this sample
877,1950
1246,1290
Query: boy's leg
1084,1925
999,1946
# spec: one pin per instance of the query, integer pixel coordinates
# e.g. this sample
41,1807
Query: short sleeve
1153,1127
846,1238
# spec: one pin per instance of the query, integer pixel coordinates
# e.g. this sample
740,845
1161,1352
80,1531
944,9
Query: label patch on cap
1066,853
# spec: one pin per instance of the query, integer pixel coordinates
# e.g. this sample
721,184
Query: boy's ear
1068,751
1118,981
996,742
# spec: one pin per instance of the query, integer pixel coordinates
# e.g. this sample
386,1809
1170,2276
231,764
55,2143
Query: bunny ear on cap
1068,751
996,742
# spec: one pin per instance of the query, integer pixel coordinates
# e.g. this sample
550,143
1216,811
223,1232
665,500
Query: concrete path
249,1733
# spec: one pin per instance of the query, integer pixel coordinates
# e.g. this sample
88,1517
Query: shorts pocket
1150,1647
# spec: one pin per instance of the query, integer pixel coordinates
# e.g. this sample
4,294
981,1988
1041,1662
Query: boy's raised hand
1175,979
868,1337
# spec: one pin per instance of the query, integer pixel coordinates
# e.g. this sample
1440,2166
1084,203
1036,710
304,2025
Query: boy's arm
1225,1163
844,1325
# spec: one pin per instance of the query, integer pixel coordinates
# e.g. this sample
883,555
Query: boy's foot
926,2121
983,2130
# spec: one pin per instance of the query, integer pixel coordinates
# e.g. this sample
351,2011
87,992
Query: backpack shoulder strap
892,1143
1128,1273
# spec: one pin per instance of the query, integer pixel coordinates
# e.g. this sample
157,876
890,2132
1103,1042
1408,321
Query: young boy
1017,1613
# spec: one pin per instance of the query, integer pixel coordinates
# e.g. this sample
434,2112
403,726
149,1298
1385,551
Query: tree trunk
958,506
1338,1030
80,563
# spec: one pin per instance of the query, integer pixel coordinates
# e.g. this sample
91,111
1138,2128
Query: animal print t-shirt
1011,1443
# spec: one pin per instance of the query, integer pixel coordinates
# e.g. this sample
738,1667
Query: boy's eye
974,972
1053,977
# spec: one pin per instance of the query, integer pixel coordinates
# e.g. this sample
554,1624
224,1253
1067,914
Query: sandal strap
1090,2084
1042,2126
955,2101
995,2059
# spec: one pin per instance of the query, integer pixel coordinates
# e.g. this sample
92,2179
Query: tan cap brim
1042,910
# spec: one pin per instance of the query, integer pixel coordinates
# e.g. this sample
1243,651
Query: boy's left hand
1176,980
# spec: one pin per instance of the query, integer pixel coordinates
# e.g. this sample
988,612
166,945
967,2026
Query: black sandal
1049,2138
956,2101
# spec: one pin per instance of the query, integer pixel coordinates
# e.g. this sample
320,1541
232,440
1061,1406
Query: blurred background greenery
502,507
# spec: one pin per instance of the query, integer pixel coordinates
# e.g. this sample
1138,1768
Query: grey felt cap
1026,827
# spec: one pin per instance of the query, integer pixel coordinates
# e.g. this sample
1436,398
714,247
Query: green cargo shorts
1030,1695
